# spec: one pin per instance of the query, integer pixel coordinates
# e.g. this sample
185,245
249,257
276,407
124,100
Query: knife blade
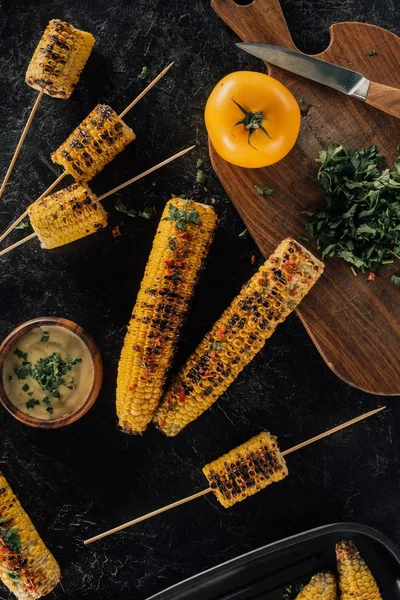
339,78
352,83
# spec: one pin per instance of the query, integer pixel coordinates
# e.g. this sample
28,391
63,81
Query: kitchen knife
382,97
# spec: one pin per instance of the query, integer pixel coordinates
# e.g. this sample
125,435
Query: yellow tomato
252,119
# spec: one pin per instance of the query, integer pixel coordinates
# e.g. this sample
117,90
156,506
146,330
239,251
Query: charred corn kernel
59,58
180,247
264,302
93,144
27,567
356,581
321,587
66,216
246,470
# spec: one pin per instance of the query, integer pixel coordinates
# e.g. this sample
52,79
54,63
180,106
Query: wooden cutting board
354,323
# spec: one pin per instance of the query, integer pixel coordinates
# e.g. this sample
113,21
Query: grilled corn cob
355,579
246,470
27,567
66,216
93,144
267,299
321,587
59,58
180,247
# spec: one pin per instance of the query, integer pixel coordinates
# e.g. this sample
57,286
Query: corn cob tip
356,581
59,58
322,586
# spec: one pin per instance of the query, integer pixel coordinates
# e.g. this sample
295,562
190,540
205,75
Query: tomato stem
251,121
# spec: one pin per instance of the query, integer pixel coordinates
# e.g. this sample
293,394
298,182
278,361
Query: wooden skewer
116,189
57,181
21,141
208,490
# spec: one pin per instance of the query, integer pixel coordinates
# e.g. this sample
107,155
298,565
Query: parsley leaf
31,403
22,225
395,279
183,216
146,213
45,337
263,190
144,73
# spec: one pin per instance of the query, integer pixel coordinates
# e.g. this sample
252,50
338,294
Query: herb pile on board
361,223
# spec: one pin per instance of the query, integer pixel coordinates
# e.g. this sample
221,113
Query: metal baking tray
265,573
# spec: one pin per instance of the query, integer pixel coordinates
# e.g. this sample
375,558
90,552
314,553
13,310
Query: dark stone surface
88,477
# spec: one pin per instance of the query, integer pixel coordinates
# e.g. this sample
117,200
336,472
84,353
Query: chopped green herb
244,234
372,52
50,409
55,394
10,537
21,354
45,337
361,222
201,177
217,346
23,372
144,73
14,575
304,238
30,393
395,279
183,216
146,213
292,591
301,100
199,163
25,387
263,190
22,225
31,403
172,244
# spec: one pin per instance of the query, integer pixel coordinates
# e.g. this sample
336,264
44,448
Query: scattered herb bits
45,337
361,222
395,279
372,52
146,213
263,190
144,73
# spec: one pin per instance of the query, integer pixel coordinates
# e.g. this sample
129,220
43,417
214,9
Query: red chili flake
116,232
261,282
290,267
220,333
162,424
182,396
132,387
154,210
371,277
253,259
136,347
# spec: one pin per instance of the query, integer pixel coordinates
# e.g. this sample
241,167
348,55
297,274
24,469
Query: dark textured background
88,477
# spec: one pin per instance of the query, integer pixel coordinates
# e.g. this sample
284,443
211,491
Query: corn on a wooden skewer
90,147
59,58
264,302
74,212
66,216
54,69
243,471
93,144
246,470
356,581
322,586
27,567
180,247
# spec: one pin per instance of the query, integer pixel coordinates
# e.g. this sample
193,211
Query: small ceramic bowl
97,379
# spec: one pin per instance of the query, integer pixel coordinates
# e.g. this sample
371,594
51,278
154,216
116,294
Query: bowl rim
94,351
